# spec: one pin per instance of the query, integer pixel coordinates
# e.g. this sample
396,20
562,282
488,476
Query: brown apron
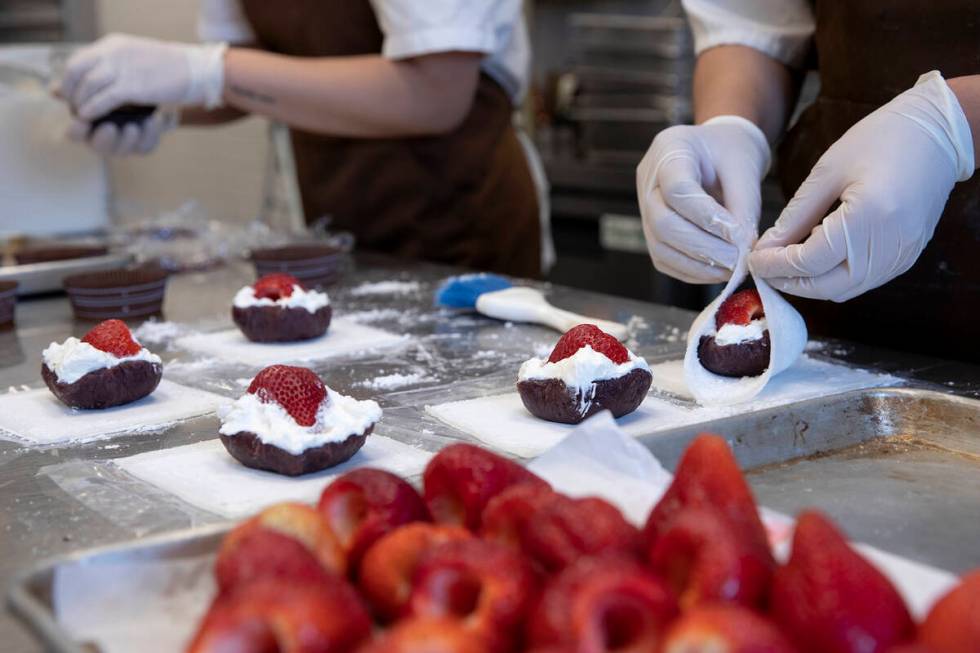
466,198
867,52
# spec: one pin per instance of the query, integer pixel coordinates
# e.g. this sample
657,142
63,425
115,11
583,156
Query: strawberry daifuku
588,371
740,343
289,422
106,368
277,308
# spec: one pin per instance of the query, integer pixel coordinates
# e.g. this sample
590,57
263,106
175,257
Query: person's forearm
738,80
967,91
201,117
362,96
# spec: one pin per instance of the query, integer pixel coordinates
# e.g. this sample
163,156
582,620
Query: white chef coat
412,28
781,29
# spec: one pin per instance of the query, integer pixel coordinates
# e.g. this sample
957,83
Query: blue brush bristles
463,291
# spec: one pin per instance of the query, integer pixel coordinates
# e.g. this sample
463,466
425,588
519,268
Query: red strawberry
113,337
829,599
487,585
271,615
708,559
298,390
708,476
461,479
740,308
554,530
600,605
365,504
275,286
725,629
425,635
953,624
591,335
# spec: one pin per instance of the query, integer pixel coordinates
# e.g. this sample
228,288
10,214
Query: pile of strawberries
489,559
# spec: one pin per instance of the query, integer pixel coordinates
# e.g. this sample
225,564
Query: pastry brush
495,296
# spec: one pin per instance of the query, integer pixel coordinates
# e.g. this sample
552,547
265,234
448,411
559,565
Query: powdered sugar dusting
156,332
394,381
376,315
386,288
673,334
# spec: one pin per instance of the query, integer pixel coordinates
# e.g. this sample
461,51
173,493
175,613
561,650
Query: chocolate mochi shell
552,400
281,324
748,358
108,387
249,450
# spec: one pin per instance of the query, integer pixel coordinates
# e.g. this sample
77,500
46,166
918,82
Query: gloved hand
893,172
133,138
120,69
700,196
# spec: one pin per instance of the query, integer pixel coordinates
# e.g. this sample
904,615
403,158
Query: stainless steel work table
40,518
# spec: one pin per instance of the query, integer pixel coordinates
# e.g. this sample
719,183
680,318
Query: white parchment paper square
36,416
344,337
502,422
206,476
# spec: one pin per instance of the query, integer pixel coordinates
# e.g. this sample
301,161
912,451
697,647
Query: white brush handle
529,305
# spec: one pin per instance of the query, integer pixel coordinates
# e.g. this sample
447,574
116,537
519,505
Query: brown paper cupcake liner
45,254
8,302
316,266
116,293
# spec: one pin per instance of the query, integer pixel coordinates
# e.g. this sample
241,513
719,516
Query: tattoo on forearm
249,94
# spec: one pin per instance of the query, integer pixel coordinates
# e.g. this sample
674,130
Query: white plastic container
48,184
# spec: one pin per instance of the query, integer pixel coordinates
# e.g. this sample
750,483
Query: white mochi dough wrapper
787,338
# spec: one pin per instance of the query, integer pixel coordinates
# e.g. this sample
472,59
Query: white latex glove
893,172
700,196
134,138
120,69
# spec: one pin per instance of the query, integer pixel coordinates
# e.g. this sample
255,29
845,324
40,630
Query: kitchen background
608,75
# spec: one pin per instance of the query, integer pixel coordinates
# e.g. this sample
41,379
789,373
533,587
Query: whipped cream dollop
338,418
733,334
311,300
73,359
580,371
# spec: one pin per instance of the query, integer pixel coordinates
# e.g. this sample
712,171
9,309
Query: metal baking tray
799,455
36,278
897,468
30,595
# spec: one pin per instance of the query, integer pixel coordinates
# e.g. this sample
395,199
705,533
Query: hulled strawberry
705,534
589,335
725,629
298,390
829,599
953,624
461,479
740,308
708,476
113,337
275,286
